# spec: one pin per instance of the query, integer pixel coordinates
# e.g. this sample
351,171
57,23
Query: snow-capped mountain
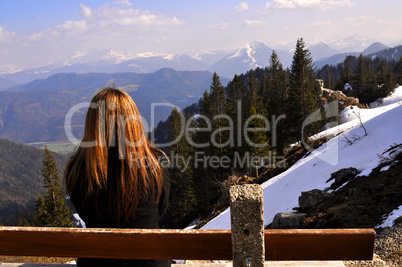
321,50
374,48
251,56
108,61
353,43
225,62
105,55
210,57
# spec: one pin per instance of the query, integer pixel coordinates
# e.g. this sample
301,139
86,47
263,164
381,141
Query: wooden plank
319,244
329,244
116,243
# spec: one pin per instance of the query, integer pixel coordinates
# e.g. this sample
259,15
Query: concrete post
247,218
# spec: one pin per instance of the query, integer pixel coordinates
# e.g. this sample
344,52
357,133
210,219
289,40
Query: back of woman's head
115,156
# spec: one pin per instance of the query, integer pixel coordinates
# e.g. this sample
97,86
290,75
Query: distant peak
374,47
255,44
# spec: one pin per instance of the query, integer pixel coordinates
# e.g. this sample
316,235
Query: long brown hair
114,138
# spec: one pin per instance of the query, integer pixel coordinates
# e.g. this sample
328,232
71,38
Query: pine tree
359,78
237,106
217,100
386,80
237,91
220,137
398,70
302,99
183,202
276,95
346,76
41,215
257,138
203,175
364,83
253,98
52,209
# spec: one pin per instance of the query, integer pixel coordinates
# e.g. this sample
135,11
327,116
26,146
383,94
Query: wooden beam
330,244
319,244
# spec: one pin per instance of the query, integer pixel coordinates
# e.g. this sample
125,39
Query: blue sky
36,33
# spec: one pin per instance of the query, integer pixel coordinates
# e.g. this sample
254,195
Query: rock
342,176
398,220
352,191
328,95
311,198
288,220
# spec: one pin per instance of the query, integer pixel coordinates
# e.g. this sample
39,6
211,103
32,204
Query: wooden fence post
247,219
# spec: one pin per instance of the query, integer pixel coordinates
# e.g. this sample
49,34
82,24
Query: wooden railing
246,242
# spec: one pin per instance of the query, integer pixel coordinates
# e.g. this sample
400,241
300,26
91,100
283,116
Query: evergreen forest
241,132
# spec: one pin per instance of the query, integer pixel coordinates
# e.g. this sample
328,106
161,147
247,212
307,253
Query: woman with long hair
114,177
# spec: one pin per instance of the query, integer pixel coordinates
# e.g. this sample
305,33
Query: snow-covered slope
384,127
393,98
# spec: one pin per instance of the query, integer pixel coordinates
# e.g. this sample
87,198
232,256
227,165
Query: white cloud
6,36
106,15
123,2
72,26
253,23
322,23
364,20
86,12
242,7
68,28
317,4
106,19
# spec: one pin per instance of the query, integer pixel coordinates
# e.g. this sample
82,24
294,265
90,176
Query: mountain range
36,111
225,62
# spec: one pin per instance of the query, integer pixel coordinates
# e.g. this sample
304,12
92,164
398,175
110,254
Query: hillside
36,112
365,153
21,177
389,54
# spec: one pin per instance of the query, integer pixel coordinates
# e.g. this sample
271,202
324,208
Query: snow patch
383,124
80,221
169,57
395,97
148,54
389,220
386,168
10,69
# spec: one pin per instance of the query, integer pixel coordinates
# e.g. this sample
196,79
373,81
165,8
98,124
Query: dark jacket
146,217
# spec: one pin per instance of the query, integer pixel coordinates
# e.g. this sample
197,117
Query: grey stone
288,220
342,176
311,198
